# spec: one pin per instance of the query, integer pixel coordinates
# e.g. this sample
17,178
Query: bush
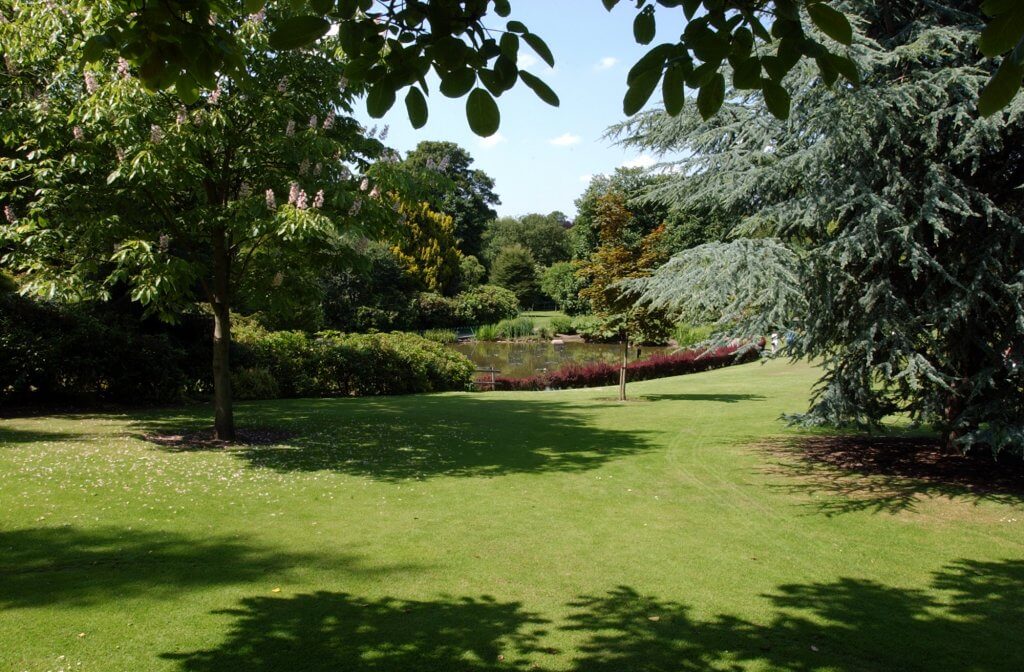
435,311
486,332
520,327
443,336
336,364
88,352
560,282
562,325
254,383
597,374
686,335
486,304
591,328
514,268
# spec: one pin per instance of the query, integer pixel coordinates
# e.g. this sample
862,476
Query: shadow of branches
968,618
71,567
423,436
891,474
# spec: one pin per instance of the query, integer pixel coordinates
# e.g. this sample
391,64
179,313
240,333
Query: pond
527,358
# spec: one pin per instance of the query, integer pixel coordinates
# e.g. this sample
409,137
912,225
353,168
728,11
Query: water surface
528,358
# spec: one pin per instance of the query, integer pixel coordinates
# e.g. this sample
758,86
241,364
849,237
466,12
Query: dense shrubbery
562,325
686,335
336,364
597,374
481,305
519,327
85,352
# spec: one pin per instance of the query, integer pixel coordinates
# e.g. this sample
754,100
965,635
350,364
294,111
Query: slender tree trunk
224,419
622,369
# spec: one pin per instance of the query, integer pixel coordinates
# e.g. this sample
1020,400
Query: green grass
542,318
499,531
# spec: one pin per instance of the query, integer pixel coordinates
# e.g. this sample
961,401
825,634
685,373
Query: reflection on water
531,357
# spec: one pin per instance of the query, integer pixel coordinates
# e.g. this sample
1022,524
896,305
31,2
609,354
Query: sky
542,157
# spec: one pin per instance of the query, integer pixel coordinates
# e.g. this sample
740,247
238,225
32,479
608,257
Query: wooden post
622,369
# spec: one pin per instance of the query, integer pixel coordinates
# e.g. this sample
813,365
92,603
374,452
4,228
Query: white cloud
492,140
526,60
565,140
642,161
606,63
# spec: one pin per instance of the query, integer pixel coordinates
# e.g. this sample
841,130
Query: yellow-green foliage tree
427,248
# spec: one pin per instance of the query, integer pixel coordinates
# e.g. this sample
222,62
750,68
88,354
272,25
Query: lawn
499,531
542,318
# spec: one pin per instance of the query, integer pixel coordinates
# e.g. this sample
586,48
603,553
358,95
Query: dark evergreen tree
515,269
883,226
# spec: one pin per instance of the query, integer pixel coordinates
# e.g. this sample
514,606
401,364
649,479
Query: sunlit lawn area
552,531
542,318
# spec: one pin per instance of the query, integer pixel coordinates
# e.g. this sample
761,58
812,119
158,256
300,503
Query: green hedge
486,304
336,364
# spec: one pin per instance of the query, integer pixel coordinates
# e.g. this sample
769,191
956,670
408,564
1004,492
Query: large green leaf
298,31
457,83
711,96
1003,32
1001,89
644,27
639,92
380,99
416,106
482,113
673,90
776,98
539,46
832,22
543,91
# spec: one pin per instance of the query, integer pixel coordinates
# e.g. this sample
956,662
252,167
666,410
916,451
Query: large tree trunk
622,369
224,419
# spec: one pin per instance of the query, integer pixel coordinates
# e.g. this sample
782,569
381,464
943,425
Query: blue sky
542,157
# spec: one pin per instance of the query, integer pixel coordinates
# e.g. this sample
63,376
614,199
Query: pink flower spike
318,200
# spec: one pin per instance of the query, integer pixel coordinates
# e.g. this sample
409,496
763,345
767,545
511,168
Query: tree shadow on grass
969,619
394,438
335,632
891,474
10,436
72,567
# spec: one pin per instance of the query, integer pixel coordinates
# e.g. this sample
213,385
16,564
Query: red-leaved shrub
597,374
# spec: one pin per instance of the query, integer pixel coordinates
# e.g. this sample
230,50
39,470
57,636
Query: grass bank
507,531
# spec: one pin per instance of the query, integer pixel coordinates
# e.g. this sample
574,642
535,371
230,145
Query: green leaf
640,91
711,96
186,89
845,67
253,6
95,47
380,99
673,90
457,83
832,22
1002,33
321,6
609,4
997,7
509,44
298,31
539,46
517,27
776,98
644,27
747,75
502,8
416,106
1001,89
652,60
543,91
482,113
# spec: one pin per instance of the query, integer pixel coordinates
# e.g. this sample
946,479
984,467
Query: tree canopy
391,46
882,226
544,235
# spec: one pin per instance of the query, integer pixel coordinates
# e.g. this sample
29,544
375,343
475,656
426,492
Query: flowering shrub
597,374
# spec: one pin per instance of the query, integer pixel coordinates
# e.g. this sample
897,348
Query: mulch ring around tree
206,438
920,459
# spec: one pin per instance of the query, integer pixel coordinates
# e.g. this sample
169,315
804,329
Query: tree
888,223
471,273
543,235
616,259
109,186
563,285
426,247
515,269
466,196
631,186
